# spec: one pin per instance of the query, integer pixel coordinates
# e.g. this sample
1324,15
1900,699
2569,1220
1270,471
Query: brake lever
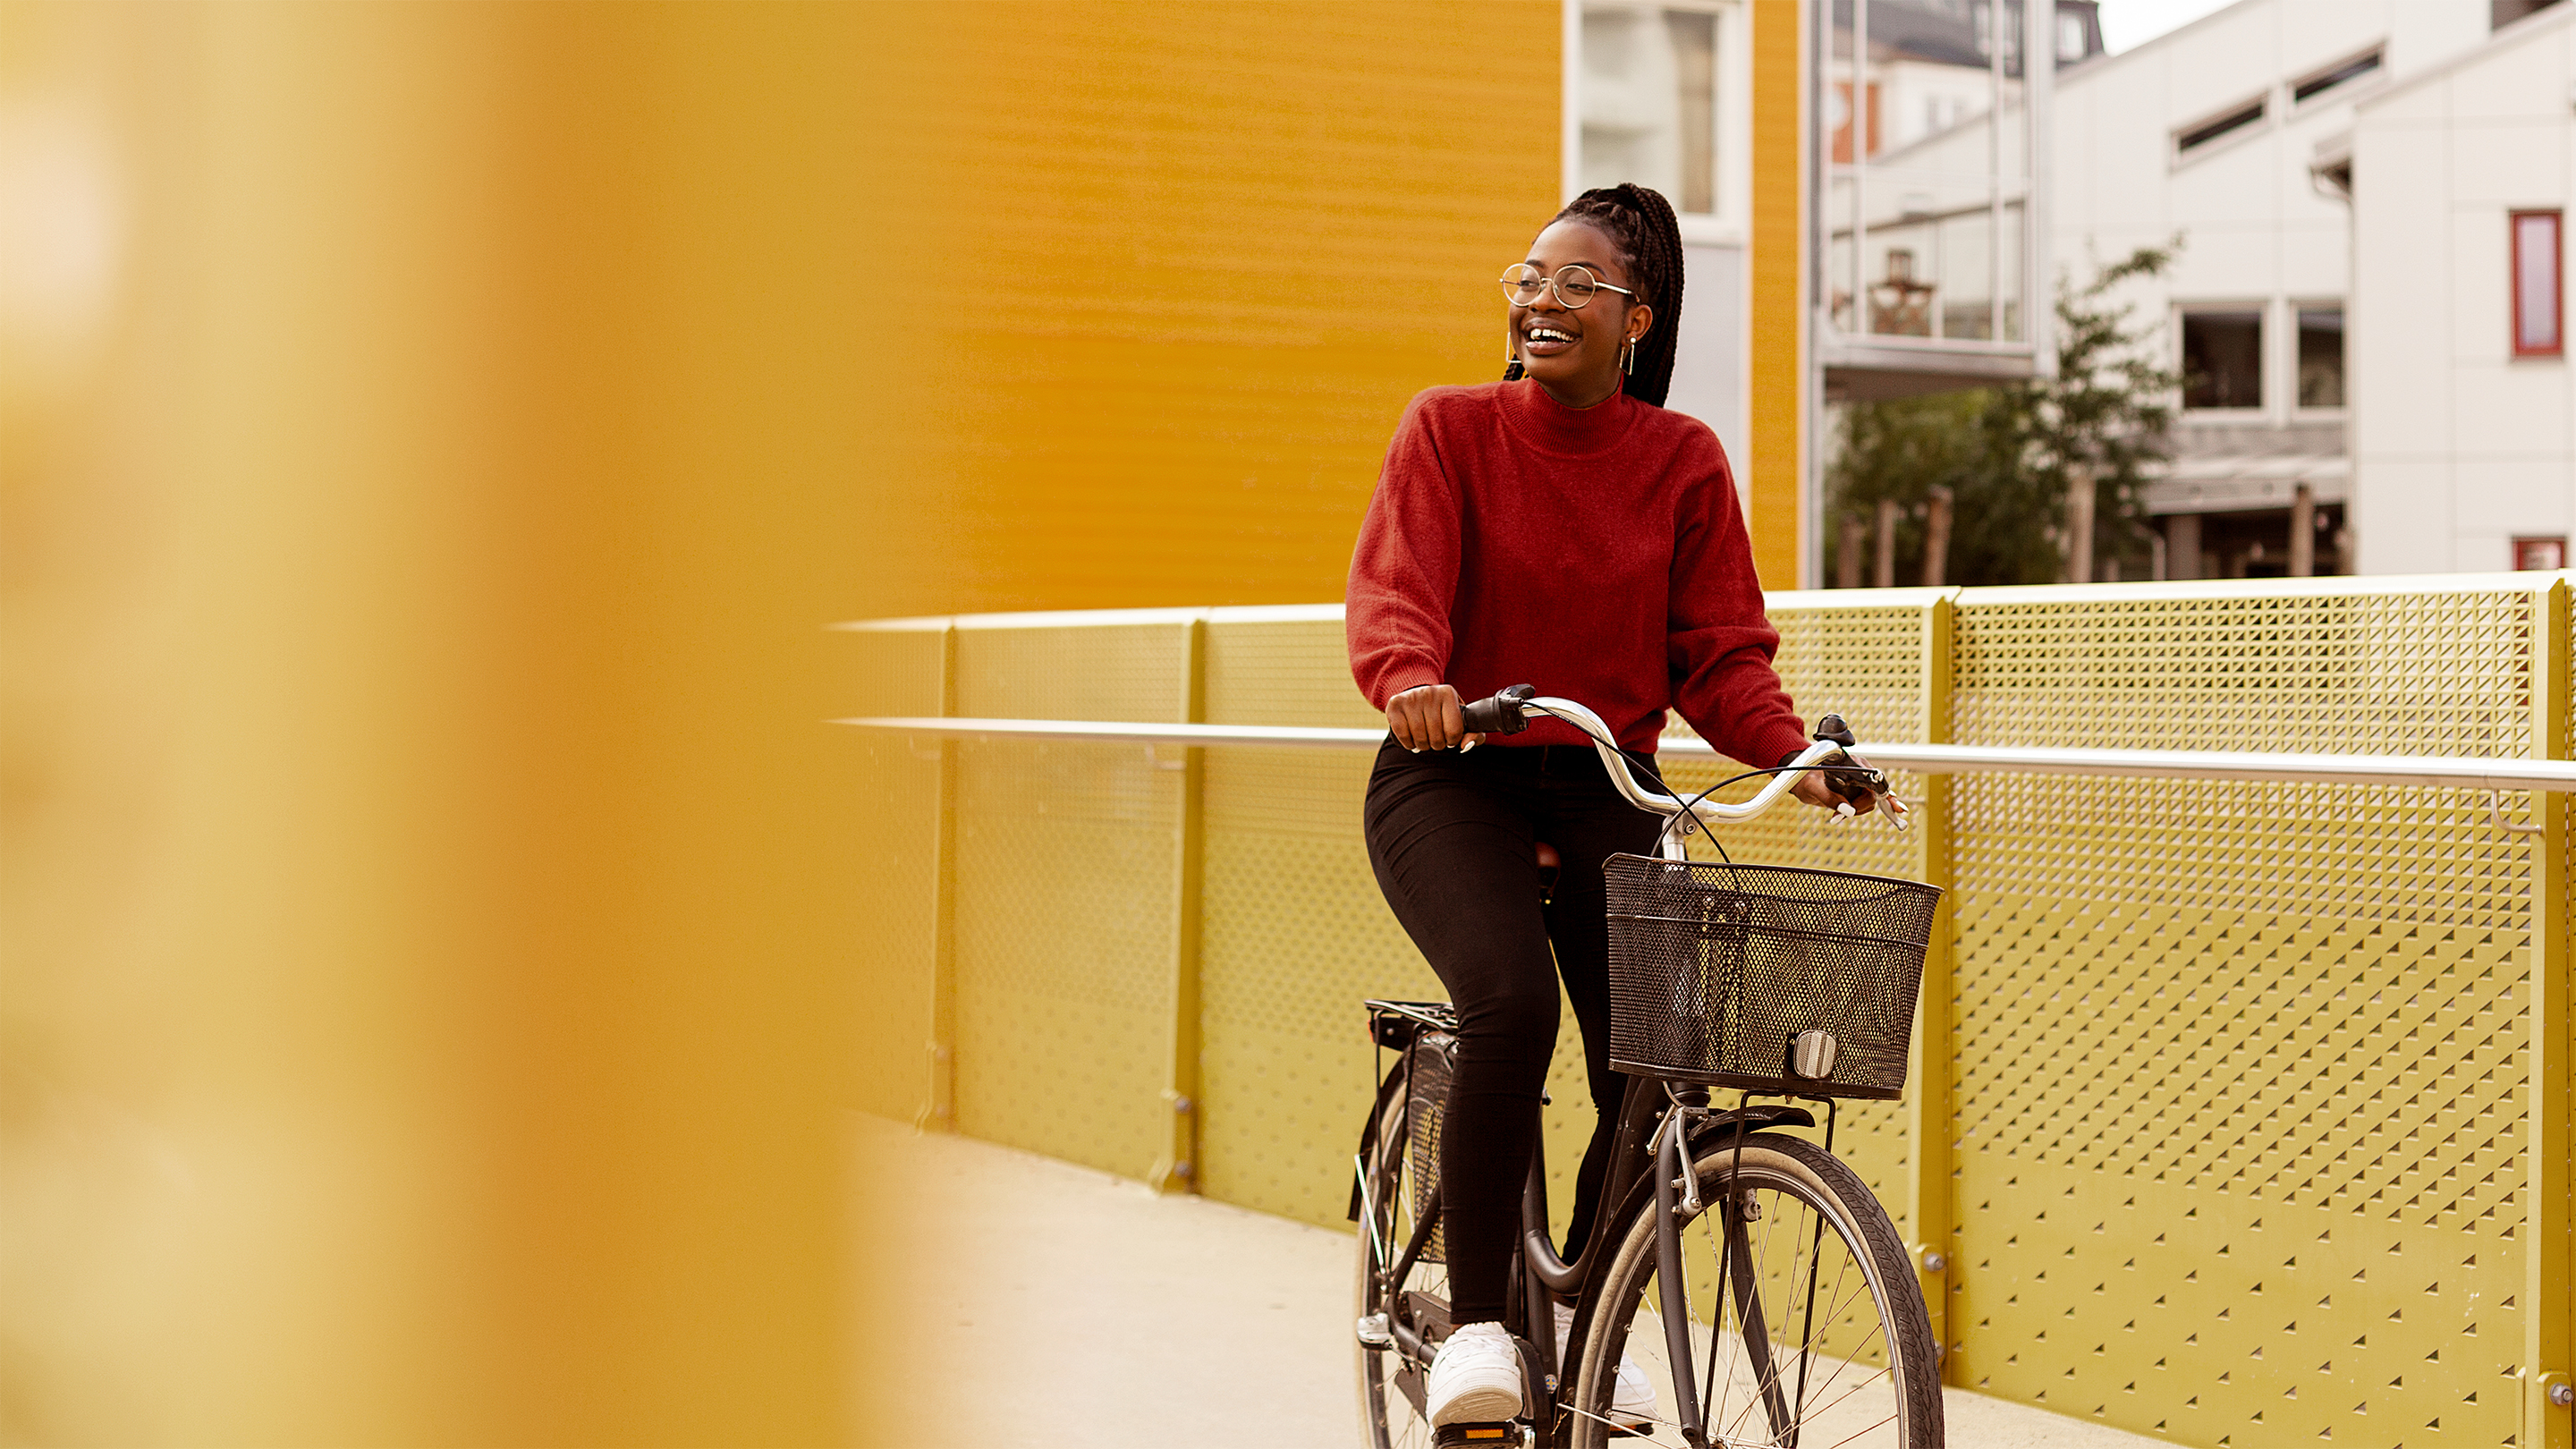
1872,784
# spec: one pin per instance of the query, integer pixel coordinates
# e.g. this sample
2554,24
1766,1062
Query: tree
2008,454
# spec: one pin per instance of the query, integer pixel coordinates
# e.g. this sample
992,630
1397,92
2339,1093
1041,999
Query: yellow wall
1776,375
1199,258
1200,255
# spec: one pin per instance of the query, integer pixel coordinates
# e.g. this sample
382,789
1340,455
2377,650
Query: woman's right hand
1426,717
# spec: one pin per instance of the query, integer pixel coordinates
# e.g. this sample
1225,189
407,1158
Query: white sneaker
1632,1396
1476,1377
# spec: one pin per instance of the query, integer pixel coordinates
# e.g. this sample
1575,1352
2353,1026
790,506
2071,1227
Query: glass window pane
1649,98
2320,84
2214,129
2535,290
2008,267
2222,359
1694,37
2321,357
1927,176
1967,301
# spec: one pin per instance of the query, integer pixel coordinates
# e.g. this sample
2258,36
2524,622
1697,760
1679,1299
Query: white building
2208,132
1930,66
1656,91
2461,175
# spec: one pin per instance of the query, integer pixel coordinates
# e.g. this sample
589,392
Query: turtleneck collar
1552,427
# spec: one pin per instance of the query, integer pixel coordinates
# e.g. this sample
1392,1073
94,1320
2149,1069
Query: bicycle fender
1754,1118
1713,1132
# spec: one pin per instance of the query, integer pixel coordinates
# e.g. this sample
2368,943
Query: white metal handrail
2470,772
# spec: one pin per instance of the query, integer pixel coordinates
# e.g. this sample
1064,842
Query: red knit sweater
1598,554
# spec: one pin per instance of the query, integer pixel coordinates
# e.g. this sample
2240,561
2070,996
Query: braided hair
1640,222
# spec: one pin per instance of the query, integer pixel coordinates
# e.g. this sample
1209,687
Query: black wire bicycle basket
1769,978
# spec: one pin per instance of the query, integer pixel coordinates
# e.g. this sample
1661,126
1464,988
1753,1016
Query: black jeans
1452,838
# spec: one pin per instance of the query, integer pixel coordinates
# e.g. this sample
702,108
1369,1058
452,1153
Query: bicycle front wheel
1391,1384
1807,1326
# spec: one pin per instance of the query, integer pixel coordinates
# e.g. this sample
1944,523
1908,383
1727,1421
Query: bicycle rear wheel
1807,1325
1391,1385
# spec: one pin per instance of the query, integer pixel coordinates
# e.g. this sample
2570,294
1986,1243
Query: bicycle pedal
1487,1435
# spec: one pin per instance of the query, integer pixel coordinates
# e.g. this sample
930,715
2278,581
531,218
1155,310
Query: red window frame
2556,346
2536,553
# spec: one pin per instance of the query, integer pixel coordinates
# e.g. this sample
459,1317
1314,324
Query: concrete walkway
1053,1305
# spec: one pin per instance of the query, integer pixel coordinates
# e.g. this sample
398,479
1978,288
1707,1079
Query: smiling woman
1616,234
1561,528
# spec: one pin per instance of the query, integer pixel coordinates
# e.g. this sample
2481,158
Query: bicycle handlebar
1500,715
1509,712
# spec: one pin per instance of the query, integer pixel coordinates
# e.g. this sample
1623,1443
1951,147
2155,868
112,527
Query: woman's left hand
1811,787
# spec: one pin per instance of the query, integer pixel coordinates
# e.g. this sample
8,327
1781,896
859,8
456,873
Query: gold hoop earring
1628,359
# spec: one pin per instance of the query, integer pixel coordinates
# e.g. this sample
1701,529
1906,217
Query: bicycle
1755,1336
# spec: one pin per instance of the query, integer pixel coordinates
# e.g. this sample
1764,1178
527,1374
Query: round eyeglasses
1575,286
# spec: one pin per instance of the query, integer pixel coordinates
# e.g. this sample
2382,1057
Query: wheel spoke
1806,1403
1856,1388
1877,1331
1872,1429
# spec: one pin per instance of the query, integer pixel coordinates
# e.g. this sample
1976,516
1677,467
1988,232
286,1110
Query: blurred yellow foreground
434,437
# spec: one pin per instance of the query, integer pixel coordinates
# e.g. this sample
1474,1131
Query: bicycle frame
1658,1123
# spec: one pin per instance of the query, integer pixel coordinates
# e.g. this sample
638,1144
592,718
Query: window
2332,76
1981,25
2321,357
1871,133
1649,98
2501,13
2537,312
2188,141
1923,236
2070,38
2540,553
2222,359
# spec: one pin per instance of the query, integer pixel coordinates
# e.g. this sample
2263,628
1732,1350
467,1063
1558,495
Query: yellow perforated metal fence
2242,1071
2239,1111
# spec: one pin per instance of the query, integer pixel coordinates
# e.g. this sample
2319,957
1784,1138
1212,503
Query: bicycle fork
1677,1200
1677,1192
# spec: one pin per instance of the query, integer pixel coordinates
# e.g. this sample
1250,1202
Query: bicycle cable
1639,760
1690,807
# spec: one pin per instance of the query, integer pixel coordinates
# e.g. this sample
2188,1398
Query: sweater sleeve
1719,643
1404,573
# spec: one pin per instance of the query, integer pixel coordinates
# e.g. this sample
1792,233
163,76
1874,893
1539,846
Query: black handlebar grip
1831,727
1500,715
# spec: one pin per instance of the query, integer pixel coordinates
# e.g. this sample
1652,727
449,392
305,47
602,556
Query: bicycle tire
1865,1370
1390,1417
